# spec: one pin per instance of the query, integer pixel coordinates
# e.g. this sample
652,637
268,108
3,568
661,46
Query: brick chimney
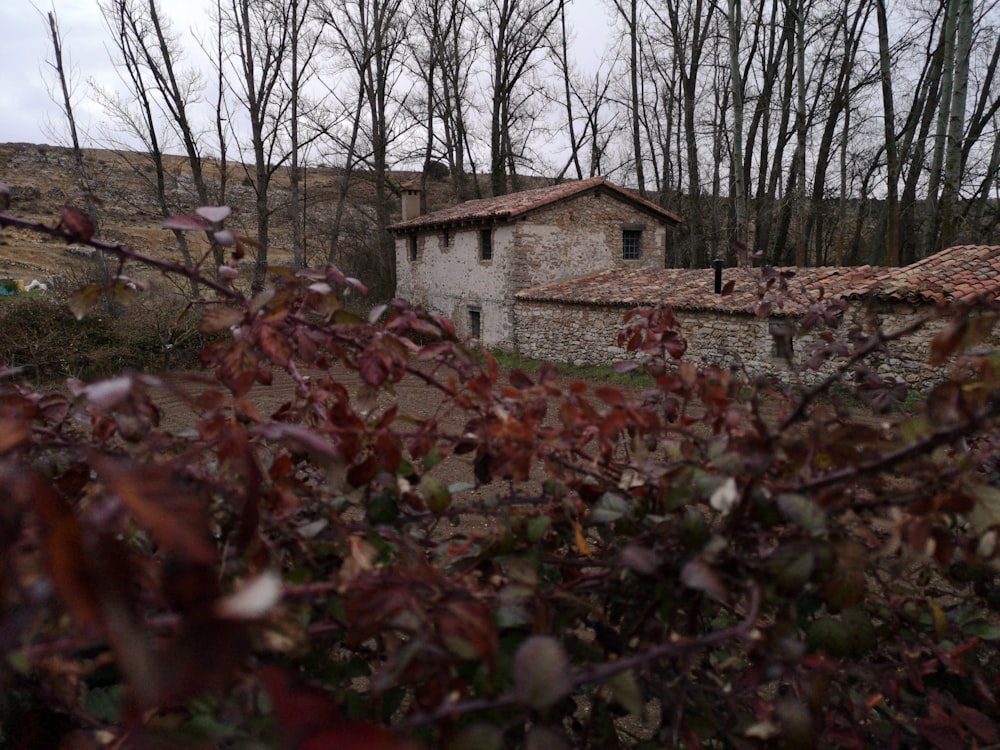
411,199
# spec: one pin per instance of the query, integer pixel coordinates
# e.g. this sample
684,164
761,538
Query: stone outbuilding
469,261
753,324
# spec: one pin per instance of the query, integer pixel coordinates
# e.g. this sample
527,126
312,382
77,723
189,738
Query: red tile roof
507,207
957,273
694,288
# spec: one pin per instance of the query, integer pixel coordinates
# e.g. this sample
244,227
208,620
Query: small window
413,247
631,244
445,238
782,334
475,323
485,244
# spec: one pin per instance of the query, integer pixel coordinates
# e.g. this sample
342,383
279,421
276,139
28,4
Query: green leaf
537,527
694,530
610,507
625,689
104,704
803,511
432,459
436,494
829,635
982,629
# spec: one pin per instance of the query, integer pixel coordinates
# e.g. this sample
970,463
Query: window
475,323
783,334
631,244
445,238
485,244
413,247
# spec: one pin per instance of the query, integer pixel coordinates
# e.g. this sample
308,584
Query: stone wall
450,279
587,334
582,236
576,237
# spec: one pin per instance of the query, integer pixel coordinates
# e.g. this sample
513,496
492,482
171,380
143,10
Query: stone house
753,326
469,261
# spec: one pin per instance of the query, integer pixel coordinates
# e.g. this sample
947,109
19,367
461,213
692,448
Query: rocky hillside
42,179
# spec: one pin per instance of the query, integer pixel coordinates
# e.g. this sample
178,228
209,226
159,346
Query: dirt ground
413,397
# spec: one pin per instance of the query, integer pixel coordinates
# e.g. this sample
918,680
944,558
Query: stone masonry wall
579,237
576,237
450,279
587,334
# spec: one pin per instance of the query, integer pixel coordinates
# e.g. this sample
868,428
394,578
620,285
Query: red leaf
520,379
83,300
626,366
361,474
310,720
940,734
728,287
76,225
979,723
157,501
220,319
947,340
235,365
372,370
14,431
63,539
610,396
675,345
275,345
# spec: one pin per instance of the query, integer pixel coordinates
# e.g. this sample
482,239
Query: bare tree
58,65
370,34
629,12
303,43
260,30
128,26
517,33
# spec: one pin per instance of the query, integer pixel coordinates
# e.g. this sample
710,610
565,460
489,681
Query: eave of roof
507,208
955,274
694,288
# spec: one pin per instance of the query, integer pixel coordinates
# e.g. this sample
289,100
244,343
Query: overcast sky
27,112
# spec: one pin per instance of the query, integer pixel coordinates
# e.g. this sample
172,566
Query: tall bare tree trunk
81,168
739,233
889,125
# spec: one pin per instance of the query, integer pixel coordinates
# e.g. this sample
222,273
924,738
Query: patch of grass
594,373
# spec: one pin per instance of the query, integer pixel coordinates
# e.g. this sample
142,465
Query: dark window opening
631,244
782,335
485,244
445,238
413,247
475,323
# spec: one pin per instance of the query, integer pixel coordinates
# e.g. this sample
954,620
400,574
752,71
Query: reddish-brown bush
710,562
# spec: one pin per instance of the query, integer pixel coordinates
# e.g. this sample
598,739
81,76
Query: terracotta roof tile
694,288
514,205
957,273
